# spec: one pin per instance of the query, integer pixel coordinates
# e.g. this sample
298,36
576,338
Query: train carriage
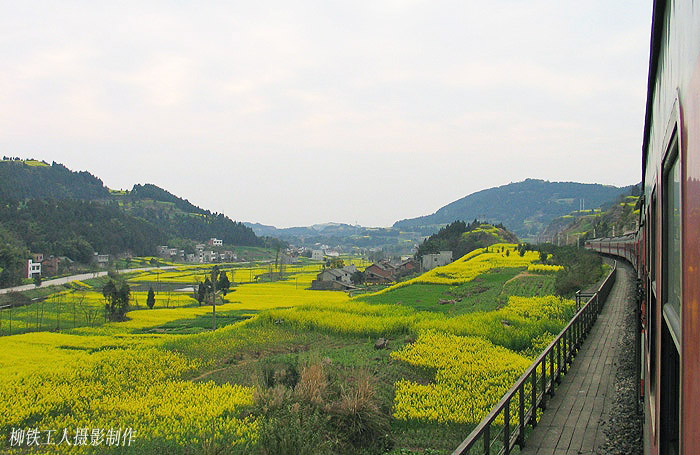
666,250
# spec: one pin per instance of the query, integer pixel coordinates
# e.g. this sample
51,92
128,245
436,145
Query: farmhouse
380,273
334,279
430,261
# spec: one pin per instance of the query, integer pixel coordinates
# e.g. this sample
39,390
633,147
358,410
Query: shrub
321,416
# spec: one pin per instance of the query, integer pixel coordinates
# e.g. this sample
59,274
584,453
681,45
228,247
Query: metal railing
506,425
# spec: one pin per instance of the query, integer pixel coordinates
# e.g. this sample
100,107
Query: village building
102,260
31,268
49,267
228,256
317,255
380,273
215,242
430,261
333,280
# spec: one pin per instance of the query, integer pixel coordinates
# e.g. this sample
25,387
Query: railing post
578,300
544,383
521,431
558,360
551,372
578,333
533,418
564,355
487,439
506,428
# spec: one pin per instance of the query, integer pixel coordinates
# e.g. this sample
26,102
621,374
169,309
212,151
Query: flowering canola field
111,376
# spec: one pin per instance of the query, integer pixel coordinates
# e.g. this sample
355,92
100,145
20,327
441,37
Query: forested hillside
77,229
33,179
525,207
52,210
461,238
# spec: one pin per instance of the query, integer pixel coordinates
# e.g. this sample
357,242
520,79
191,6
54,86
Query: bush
582,268
319,415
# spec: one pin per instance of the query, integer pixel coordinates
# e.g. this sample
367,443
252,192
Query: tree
151,298
37,279
358,277
202,292
224,284
116,295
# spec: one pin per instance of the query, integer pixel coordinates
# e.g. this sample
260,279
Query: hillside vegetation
461,238
613,219
52,210
525,207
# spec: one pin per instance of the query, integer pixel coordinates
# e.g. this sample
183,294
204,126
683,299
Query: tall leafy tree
151,298
224,284
116,295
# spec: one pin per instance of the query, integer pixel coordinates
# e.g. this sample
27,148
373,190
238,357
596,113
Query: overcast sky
294,113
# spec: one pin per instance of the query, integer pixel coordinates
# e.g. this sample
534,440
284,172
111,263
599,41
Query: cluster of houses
39,265
202,254
381,272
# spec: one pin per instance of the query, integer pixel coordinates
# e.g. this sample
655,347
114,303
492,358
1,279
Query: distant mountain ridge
525,208
313,230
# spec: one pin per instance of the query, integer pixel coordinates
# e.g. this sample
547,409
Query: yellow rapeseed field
111,376
471,376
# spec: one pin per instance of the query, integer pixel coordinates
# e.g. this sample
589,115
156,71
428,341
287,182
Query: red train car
671,225
667,247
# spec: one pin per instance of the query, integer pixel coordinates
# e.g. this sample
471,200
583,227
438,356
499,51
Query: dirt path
208,373
520,275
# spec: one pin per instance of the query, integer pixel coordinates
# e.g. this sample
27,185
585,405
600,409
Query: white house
32,268
317,255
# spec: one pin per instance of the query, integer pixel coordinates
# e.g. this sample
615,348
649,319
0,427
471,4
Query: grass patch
199,323
483,293
530,286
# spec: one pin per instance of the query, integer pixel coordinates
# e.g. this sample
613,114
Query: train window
672,243
670,394
671,298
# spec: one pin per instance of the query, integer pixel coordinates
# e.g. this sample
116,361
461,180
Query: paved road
574,422
82,276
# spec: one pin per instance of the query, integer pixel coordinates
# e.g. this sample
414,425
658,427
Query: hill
31,179
613,219
461,238
55,211
525,207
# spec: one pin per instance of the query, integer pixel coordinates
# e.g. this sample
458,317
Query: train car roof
657,24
